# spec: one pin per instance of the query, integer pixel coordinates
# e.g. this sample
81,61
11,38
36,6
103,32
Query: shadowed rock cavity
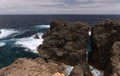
105,54
65,42
113,68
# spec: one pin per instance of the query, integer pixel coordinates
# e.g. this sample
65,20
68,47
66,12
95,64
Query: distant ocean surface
17,32
16,21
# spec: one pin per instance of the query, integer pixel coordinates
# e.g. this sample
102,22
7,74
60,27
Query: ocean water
18,31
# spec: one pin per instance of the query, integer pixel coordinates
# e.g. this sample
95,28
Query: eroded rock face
113,68
31,67
81,70
104,35
65,42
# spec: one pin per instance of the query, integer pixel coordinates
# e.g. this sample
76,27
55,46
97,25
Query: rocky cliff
65,42
105,53
113,68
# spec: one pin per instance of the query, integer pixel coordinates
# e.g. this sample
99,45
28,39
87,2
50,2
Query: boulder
77,71
36,36
104,35
81,70
65,42
31,67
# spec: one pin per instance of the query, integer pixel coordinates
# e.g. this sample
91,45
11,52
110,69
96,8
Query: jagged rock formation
36,36
103,56
32,67
113,68
65,42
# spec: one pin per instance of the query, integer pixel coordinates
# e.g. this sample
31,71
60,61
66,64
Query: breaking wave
42,26
2,44
7,32
30,43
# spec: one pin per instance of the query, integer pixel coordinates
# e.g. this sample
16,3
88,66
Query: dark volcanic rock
31,67
103,36
113,68
81,70
66,42
36,36
77,71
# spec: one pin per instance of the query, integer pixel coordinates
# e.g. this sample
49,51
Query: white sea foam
30,42
86,56
89,33
2,44
42,26
96,72
7,32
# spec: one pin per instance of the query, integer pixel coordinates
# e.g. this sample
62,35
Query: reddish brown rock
58,74
31,67
104,35
66,42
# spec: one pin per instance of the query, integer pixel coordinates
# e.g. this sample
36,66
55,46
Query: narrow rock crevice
105,47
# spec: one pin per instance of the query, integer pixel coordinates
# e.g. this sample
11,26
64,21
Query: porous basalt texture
113,68
31,67
104,35
65,42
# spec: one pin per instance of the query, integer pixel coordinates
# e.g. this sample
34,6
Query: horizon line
59,14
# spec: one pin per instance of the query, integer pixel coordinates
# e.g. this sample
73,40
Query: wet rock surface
32,67
36,36
104,55
65,42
